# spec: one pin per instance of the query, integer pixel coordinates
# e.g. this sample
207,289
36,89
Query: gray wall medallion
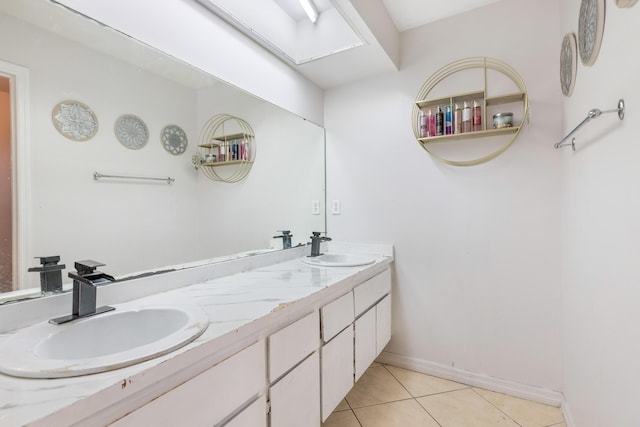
74,120
568,64
590,29
131,131
174,139
625,3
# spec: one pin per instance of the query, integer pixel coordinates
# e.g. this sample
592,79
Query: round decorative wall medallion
568,64
174,139
74,120
131,131
625,3
590,29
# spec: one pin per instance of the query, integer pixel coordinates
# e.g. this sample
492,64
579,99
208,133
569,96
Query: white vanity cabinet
372,302
294,374
210,398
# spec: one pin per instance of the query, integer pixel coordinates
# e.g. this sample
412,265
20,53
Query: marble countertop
242,306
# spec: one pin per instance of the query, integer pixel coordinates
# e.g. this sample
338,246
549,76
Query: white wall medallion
174,139
74,120
568,64
131,131
625,3
590,29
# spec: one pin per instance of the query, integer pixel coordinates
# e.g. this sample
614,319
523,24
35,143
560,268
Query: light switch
335,207
315,207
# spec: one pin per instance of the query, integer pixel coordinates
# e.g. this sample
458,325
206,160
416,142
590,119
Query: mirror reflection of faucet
286,238
50,274
85,281
316,239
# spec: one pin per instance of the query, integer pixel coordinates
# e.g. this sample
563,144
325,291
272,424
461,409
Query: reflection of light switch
315,207
335,207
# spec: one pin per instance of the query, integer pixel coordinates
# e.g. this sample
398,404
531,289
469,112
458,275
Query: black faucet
85,281
315,243
286,238
50,274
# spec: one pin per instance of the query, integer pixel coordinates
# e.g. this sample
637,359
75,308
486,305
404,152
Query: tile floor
387,396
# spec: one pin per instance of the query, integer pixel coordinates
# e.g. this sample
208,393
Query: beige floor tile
375,386
342,406
464,408
405,413
375,364
341,419
524,412
421,384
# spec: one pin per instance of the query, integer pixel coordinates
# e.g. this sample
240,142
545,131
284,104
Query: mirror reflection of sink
101,343
339,260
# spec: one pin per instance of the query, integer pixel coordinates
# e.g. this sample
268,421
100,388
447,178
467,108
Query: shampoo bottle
466,118
439,121
477,116
431,118
423,125
448,128
457,120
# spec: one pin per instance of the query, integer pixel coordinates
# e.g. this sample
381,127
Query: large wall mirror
132,225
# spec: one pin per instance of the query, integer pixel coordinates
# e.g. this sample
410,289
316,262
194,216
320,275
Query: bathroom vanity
285,343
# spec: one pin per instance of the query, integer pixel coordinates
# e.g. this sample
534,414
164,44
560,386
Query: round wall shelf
480,98
226,148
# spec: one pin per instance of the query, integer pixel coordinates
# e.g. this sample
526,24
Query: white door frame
21,170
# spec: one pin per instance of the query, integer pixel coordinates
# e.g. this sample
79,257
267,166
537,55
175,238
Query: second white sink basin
100,343
339,260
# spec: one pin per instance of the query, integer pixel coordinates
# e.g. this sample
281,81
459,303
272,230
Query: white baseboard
548,397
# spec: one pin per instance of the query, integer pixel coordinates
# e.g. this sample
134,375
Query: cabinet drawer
210,397
336,316
367,294
290,345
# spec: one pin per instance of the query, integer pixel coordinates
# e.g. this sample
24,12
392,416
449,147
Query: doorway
6,188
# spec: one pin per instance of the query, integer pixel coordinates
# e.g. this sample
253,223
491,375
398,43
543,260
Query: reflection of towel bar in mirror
592,114
98,175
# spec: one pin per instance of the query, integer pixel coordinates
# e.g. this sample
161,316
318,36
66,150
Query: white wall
476,283
188,31
601,207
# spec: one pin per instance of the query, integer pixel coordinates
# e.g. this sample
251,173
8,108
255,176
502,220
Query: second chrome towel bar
594,113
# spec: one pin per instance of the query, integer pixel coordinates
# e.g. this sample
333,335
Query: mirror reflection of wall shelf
227,149
490,106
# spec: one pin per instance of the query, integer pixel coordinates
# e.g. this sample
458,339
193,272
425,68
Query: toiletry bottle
448,128
466,117
439,121
431,118
477,116
423,126
457,120
222,151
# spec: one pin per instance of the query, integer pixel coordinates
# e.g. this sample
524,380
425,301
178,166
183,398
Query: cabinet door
295,398
208,398
337,370
254,415
365,342
383,324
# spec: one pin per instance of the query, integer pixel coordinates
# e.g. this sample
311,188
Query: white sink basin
101,343
339,260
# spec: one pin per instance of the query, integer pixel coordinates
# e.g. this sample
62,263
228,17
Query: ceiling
379,23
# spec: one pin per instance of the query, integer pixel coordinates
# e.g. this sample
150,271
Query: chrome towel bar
98,175
592,114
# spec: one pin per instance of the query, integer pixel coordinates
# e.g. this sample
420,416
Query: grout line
490,403
425,409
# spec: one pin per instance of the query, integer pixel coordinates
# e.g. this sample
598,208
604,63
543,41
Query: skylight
284,28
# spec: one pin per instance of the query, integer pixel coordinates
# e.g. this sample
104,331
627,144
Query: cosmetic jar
502,120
